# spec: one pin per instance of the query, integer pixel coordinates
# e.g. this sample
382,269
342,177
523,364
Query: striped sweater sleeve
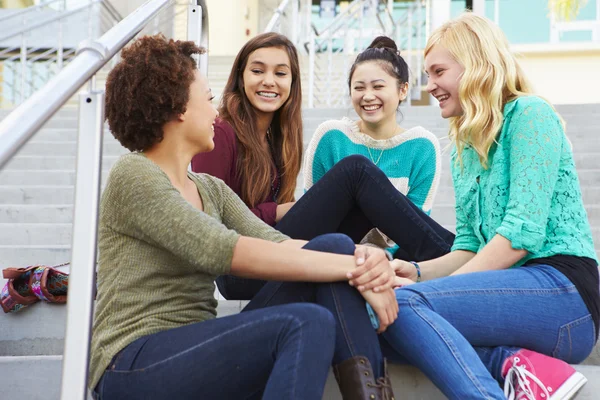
315,164
426,173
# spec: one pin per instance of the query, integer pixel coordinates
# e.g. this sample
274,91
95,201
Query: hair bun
384,42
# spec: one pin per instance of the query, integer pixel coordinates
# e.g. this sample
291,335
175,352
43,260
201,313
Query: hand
400,282
282,209
373,270
404,269
385,306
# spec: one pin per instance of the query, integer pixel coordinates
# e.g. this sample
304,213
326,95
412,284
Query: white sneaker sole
570,388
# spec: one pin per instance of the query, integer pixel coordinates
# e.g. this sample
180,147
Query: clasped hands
375,277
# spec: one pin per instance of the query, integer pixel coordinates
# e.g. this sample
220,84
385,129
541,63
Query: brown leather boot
356,381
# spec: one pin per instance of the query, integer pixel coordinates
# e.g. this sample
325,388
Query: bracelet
418,270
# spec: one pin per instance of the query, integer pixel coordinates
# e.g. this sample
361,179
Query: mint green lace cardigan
530,193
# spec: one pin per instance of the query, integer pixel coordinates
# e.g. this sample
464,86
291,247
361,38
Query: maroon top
221,163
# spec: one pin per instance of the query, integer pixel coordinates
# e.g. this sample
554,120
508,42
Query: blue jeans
459,330
354,334
268,354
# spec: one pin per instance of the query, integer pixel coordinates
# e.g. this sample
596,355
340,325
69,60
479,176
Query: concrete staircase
36,205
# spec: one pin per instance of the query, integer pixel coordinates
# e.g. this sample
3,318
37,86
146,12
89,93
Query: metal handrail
276,15
340,17
57,17
112,10
20,125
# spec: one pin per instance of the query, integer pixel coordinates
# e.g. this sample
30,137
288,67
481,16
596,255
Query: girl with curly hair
164,235
518,294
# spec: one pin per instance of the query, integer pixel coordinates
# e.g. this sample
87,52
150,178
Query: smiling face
375,93
268,79
200,114
444,75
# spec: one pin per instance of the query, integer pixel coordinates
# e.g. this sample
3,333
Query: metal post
411,51
194,32
329,68
419,68
59,51
311,69
497,12
596,30
90,15
23,60
295,20
83,256
554,32
479,7
360,27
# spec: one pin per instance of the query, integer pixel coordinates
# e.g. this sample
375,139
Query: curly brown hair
149,87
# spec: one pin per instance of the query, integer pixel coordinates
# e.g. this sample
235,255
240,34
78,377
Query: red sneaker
533,376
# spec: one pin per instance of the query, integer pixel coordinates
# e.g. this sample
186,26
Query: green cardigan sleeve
533,141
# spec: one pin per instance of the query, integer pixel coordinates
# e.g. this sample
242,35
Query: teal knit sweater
530,192
411,160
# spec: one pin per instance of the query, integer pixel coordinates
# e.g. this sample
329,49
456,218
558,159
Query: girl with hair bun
410,158
517,297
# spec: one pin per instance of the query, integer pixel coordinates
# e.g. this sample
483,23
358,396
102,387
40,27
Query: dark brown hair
383,50
147,88
255,164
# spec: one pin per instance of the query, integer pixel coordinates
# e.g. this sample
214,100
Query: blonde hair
492,77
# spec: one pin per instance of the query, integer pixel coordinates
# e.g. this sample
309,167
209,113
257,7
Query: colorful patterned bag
29,285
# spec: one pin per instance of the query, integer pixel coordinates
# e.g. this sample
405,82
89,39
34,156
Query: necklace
382,150
371,155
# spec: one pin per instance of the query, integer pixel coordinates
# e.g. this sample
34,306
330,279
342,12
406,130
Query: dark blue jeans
354,333
266,353
352,198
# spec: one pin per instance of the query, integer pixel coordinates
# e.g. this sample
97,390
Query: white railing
20,125
288,18
36,42
333,49
38,45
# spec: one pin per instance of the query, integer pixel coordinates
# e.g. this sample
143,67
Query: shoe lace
521,377
386,388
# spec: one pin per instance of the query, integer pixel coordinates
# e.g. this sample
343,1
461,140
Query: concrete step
31,341
40,328
40,177
35,214
53,162
36,234
43,194
24,255
407,381
66,148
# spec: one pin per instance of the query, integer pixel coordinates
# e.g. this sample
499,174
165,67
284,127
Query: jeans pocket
575,340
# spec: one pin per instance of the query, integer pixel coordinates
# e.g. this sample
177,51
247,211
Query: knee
314,320
332,243
353,160
407,296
